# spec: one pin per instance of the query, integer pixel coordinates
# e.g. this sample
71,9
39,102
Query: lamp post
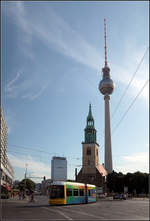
76,174
26,177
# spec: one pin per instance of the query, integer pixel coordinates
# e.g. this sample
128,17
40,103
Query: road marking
60,212
29,219
84,213
69,218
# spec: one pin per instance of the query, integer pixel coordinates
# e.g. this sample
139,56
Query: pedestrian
32,196
23,195
19,195
12,194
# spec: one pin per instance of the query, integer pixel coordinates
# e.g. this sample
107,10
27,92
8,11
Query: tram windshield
57,191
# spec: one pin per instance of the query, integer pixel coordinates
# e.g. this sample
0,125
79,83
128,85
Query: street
19,210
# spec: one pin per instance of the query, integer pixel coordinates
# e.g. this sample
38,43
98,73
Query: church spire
90,119
90,132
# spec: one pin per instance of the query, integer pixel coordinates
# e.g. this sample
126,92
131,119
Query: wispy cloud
33,96
21,21
12,85
21,86
134,162
36,168
17,13
123,74
54,32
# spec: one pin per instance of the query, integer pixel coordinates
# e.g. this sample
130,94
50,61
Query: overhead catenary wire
123,116
38,152
32,149
133,76
44,161
28,160
12,152
129,107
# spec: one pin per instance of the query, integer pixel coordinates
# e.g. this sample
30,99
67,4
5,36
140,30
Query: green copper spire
90,119
90,132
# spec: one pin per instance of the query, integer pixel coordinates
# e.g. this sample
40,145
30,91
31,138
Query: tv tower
106,87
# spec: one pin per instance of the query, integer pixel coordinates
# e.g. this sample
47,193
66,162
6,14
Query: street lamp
26,176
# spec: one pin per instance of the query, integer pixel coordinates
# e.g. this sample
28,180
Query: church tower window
88,151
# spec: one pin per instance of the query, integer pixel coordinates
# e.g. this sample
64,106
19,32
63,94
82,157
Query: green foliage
134,181
26,184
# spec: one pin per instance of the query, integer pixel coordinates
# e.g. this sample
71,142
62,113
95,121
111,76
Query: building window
75,192
69,192
97,152
90,123
88,151
88,162
92,178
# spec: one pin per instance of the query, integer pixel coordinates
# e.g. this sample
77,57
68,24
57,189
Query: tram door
86,194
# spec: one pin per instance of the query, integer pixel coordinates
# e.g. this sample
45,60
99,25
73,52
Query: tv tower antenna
105,42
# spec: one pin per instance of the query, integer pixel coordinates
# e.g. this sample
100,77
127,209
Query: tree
111,181
26,184
134,181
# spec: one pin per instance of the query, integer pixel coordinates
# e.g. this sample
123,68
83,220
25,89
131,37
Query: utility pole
76,174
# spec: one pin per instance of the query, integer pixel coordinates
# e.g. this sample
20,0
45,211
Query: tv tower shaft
106,87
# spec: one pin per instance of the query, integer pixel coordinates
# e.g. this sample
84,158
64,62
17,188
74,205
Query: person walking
19,194
12,194
32,196
23,195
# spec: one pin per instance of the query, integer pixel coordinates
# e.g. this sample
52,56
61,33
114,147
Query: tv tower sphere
106,85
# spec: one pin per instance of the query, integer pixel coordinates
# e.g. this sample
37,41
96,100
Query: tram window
57,192
69,192
75,192
81,192
89,191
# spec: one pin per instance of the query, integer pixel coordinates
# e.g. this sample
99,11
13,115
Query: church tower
90,158
92,172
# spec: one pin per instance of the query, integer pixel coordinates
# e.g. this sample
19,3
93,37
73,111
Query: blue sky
52,56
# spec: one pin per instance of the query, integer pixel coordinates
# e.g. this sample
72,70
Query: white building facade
6,169
59,168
